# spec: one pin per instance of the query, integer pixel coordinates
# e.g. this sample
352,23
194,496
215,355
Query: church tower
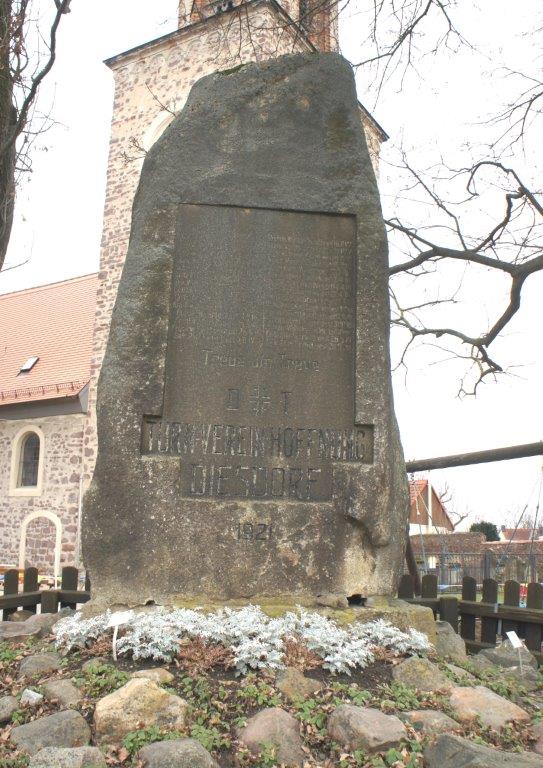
315,20
152,82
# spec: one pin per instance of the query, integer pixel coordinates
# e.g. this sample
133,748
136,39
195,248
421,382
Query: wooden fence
481,623
31,596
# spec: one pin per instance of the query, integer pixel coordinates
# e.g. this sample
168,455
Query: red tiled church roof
55,323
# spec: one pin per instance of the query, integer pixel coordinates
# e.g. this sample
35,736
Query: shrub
254,640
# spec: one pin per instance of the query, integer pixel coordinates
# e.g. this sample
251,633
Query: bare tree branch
18,93
513,245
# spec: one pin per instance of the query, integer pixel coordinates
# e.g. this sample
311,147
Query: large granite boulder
245,363
364,728
493,711
16,632
516,665
295,685
20,615
63,729
448,643
37,625
43,623
429,721
273,727
455,752
421,674
480,664
462,676
62,691
138,704
157,674
504,655
178,753
39,664
537,731
8,705
80,757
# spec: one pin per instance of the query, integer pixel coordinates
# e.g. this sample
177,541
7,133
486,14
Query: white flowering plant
255,640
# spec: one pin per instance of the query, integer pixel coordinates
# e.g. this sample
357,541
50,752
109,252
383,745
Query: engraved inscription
305,456
259,377
254,531
255,482
217,359
233,400
260,400
306,444
269,316
286,401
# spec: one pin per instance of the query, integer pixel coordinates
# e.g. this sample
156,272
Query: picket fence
481,623
484,623
31,596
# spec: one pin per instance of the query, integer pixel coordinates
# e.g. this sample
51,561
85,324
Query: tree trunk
8,117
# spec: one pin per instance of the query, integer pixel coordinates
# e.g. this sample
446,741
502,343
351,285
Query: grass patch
8,654
21,761
101,679
136,740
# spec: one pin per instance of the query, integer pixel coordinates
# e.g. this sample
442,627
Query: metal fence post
443,567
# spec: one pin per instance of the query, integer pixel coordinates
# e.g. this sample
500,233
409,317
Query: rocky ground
82,710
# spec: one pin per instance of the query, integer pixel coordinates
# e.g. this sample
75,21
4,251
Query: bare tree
462,231
22,71
446,497
510,245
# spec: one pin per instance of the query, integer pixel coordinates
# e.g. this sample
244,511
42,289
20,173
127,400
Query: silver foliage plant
78,631
256,640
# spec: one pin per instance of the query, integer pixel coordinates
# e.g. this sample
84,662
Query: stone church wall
59,498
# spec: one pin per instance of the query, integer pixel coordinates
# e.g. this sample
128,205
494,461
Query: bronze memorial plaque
259,379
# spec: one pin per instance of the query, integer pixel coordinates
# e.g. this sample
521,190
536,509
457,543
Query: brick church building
49,367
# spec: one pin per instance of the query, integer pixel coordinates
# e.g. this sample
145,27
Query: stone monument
248,448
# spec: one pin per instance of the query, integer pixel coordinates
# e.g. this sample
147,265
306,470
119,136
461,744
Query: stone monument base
398,612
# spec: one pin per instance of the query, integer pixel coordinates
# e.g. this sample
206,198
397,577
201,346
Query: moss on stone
398,612
231,70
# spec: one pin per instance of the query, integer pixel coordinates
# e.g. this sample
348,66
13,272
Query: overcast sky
436,111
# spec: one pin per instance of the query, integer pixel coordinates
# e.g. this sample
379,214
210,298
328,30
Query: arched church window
29,461
27,464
